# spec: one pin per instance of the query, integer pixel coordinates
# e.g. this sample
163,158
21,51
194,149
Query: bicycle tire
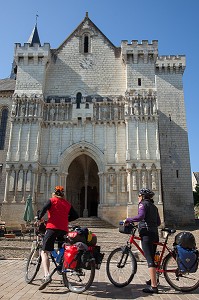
33,265
121,275
184,282
78,281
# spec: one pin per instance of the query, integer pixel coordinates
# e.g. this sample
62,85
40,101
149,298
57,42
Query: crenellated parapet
33,55
171,64
145,50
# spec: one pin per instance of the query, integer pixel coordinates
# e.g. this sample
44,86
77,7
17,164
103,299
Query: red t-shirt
58,214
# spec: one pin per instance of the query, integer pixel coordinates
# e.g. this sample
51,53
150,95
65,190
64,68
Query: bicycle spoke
121,267
185,282
33,265
79,280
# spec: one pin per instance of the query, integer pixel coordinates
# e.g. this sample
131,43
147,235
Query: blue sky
174,23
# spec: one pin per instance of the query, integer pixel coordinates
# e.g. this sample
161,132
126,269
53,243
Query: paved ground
13,286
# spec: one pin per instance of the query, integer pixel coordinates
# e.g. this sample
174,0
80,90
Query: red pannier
70,256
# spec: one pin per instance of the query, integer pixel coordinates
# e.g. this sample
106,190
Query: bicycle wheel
184,282
78,281
32,265
121,266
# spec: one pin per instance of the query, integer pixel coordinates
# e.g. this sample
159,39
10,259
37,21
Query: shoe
151,290
45,281
148,282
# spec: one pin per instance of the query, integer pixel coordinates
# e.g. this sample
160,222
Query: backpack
185,240
83,235
187,259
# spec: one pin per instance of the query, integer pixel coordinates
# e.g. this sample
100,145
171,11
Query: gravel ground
20,249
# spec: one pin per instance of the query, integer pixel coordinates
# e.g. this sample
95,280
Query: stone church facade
103,121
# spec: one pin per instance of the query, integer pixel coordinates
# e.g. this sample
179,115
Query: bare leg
152,272
45,262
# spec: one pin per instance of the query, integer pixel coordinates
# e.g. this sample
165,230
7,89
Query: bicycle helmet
148,194
59,190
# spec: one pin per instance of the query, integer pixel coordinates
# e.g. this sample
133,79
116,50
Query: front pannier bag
127,229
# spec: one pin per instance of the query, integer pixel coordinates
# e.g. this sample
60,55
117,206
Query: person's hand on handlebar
128,221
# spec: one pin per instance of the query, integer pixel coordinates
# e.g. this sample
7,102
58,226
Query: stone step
93,222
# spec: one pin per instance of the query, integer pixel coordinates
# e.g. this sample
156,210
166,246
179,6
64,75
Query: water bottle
54,253
60,255
157,257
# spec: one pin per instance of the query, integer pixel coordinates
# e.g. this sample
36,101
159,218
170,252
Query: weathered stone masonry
101,120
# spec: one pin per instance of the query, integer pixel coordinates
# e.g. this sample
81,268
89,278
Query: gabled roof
7,85
196,175
91,24
34,37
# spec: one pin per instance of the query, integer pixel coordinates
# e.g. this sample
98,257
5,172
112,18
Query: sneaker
45,281
148,282
151,290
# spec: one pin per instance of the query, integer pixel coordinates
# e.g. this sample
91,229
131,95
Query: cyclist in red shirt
60,212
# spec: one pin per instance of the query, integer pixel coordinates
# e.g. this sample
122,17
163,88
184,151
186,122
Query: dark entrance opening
83,173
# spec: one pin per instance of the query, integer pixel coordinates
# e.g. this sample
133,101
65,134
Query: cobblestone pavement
14,287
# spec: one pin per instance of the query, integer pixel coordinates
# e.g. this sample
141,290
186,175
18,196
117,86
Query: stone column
6,187
117,186
127,141
37,146
49,147
28,143
85,212
159,188
129,189
19,142
10,139
138,147
147,142
101,186
15,189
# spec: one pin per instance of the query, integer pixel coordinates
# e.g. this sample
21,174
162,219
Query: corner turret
31,60
34,37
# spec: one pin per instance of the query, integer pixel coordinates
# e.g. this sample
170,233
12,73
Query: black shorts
49,239
147,239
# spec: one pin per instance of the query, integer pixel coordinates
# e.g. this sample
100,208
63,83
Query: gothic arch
81,148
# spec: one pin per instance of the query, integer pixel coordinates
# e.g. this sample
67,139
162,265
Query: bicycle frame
133,240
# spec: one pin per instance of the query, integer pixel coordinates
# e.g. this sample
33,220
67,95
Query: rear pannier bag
185,240
187,260
70,256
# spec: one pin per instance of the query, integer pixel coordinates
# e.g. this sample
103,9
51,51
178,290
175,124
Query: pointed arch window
86,44
4,118
78,99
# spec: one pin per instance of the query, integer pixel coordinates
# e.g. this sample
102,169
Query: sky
174,23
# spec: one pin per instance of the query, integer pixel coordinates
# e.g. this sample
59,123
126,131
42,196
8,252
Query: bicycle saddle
169,230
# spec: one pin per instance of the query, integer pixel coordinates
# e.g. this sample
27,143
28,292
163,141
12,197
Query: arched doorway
82,185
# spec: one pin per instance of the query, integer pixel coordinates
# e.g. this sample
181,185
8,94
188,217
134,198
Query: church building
102,120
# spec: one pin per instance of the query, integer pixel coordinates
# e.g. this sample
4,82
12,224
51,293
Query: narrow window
78,99
177,173
87,105
3,125
86,44
139,82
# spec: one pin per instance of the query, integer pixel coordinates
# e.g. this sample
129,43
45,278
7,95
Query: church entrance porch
82,185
